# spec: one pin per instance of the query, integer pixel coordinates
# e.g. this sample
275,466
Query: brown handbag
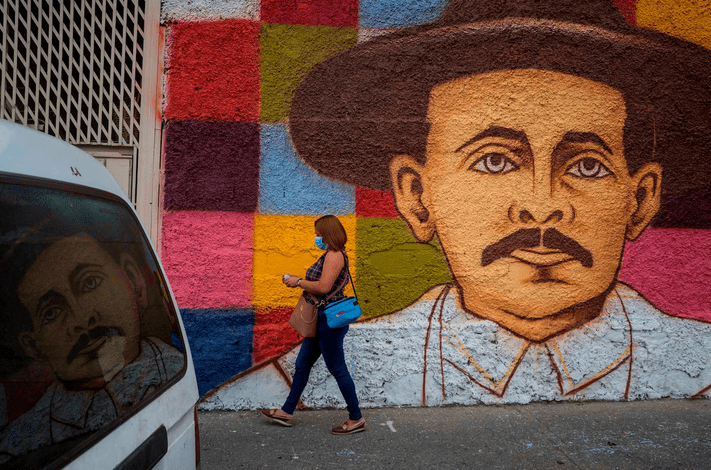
304,317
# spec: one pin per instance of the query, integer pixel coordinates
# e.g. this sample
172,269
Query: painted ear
405,175
29,345
138,282
648,181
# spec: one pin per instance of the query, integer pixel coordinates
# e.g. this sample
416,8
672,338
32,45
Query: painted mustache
93,334
530,238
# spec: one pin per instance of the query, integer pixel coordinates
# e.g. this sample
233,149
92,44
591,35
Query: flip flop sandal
343,428
270,414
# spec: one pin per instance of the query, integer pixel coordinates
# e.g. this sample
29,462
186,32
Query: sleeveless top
314,274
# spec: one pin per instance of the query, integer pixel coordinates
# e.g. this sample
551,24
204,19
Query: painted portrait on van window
89,333
532,140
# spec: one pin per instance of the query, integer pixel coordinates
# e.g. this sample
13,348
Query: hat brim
355,110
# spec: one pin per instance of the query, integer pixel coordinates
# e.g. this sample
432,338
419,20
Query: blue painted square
288,186
220,343
399,13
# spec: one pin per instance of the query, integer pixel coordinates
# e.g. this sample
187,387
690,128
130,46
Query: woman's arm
332,265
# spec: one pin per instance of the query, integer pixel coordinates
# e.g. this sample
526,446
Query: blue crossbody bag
345,311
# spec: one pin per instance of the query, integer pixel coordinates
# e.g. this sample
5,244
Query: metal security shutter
86,71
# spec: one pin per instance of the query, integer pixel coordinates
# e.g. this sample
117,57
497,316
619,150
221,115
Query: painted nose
541,207
85,317
543,217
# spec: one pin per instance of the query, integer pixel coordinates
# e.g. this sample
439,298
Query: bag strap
313,298
349,275
341,285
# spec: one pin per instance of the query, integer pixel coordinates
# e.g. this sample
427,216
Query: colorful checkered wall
239,205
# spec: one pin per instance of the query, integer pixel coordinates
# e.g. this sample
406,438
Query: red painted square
311,12
213,71
272,333
628,8
374,203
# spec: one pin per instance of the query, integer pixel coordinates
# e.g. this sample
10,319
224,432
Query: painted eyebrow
49,295
583,138
80,267
497,131
77,270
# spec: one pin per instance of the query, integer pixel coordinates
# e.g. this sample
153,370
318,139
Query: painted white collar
490,355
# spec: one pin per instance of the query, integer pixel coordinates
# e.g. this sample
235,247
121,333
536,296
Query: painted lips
546,258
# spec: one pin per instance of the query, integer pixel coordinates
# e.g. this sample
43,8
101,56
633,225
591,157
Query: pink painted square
213,71
672,269
207,256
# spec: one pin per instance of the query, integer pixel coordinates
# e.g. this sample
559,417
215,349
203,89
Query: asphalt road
659,434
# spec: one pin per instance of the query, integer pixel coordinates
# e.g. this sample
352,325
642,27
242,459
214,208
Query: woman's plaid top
314,274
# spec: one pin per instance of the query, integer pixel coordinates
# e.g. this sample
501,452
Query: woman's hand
291,281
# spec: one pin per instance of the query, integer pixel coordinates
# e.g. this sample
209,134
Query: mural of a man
84,301
533,139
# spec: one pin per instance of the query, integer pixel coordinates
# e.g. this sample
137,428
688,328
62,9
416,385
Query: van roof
27,152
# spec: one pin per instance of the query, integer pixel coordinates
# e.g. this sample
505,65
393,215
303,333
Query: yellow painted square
685,19
284,244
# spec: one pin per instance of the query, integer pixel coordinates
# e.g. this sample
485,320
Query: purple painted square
212,166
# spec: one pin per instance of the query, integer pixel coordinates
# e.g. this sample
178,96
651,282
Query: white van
96,369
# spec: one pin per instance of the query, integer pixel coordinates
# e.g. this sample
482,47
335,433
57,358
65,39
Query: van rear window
89,335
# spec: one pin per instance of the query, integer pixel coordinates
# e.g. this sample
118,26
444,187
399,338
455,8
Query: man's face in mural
85,311
527,187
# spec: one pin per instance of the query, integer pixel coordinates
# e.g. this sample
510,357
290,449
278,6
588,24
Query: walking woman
328,273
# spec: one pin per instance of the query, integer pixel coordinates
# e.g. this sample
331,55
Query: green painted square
288,52
394,269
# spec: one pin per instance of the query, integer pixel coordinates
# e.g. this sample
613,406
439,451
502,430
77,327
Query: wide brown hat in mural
352,112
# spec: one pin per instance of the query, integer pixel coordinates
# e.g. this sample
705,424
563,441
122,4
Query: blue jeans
329,342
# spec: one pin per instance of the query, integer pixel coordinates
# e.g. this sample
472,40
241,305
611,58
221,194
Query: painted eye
90,283
589,168
494,163
50,314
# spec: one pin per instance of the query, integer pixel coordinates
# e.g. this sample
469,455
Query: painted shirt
435,353
618,355
61,414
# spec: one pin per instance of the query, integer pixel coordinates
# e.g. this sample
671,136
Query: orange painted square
213,71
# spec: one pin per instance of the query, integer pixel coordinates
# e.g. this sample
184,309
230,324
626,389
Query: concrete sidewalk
659,434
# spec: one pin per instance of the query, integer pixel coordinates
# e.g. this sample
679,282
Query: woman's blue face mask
319,243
